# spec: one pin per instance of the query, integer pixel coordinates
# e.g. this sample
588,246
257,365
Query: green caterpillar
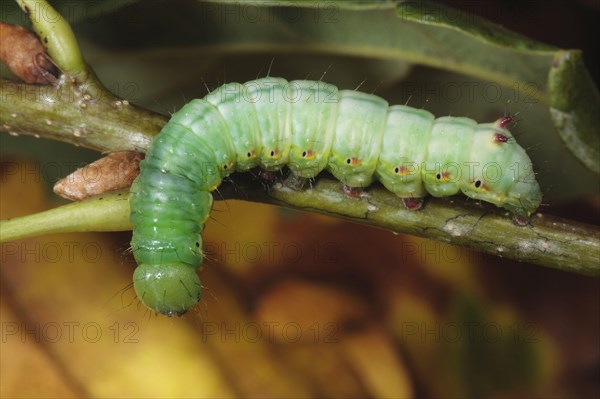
308,126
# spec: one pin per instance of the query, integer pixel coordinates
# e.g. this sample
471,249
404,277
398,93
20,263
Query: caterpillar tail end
170,289
523,200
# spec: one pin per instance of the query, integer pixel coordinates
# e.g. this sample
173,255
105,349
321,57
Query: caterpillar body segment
308,126
208,127
449,142
272,107
402,155
241,121
166,239
312,137
358,135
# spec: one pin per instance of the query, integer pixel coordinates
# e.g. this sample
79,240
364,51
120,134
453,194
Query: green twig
547,241
56,35
109,212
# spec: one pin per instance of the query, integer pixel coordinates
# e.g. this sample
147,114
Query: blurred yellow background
296,305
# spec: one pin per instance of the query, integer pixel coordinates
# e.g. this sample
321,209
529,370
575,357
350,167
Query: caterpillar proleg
308,126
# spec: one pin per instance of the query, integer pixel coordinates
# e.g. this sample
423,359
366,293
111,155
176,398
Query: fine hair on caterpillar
308,126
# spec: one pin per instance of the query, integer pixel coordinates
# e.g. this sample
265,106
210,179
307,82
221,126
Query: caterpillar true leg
308,126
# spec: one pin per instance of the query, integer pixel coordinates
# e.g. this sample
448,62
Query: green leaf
574,110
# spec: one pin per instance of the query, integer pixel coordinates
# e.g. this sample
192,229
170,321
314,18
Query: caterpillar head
170,289
166,280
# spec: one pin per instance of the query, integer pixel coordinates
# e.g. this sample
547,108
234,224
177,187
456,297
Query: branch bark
85,115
